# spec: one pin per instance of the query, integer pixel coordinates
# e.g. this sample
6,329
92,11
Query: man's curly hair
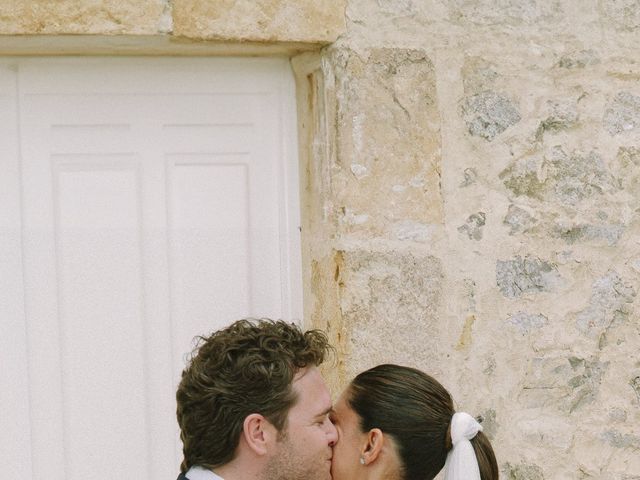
245,368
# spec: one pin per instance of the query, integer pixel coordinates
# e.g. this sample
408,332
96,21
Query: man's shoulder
182,477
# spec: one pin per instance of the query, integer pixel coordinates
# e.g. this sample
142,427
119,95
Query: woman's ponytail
486,458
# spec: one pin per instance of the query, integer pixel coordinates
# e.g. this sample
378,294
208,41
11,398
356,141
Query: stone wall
473,208
471,190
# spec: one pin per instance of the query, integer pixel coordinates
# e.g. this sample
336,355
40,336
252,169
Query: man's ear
258,433
373,446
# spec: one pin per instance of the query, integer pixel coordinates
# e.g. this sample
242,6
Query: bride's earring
361,460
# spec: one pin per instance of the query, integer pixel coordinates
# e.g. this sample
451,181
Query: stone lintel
316,22
312,21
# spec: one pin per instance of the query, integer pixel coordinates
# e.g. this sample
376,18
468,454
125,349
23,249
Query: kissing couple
252,405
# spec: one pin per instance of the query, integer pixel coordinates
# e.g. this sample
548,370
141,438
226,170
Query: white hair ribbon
462,463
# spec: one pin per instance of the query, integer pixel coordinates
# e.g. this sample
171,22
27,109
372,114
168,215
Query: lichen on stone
511,12
617,415
397,7
521,177
522,471
577,176
567,383
520,275
562,116
488,114
519,220
569,178
585,384
610,304
626,168
622,114
578,59
473,226
625,14
526,322
470,177
606,233
621,440
489,424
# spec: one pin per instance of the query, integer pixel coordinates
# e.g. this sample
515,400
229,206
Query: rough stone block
397,7
82,17
526,322
521,177
577,176
617,415
519,220
473,226
624,14
470,177
622,114
388,144
567,178
489,113
568,384
626,169
314,21
504,12
524,275
522,471
389,300
478,75
489,424
579,59
610,305
608,234
621,440
562,116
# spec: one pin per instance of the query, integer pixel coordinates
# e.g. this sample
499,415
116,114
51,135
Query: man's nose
332,434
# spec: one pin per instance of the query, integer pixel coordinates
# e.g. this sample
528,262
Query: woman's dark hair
416,411
246,368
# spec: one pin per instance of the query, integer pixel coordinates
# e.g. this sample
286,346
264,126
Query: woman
398,423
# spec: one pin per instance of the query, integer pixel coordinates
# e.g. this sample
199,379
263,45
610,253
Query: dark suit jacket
182,477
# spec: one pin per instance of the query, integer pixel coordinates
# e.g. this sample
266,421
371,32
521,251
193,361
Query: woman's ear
371,450
258,433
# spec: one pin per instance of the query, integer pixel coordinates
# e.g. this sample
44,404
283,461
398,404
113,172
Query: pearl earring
361,460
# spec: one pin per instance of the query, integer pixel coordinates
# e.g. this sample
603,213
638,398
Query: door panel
148,201
15,439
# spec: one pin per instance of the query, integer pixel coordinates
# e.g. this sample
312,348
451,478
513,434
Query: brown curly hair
245,368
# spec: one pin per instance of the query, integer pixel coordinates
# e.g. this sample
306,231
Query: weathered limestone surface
32,17
400,288
481,202
386,188
284,21
260,20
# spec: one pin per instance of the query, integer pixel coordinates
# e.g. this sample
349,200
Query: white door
142,202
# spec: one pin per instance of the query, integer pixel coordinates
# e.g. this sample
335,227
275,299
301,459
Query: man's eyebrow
327,412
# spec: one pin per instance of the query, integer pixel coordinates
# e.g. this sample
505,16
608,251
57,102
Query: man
253,406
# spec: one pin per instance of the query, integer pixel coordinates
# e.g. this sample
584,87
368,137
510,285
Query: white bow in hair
462,463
